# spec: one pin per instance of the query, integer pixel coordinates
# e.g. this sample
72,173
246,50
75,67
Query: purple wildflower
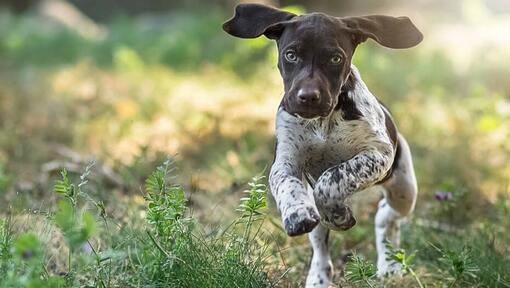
87,249
27,254
443,196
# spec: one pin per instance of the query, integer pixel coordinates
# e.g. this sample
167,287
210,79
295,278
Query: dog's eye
291,56
336,59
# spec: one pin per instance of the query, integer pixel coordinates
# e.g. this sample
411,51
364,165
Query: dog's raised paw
301,219
338,217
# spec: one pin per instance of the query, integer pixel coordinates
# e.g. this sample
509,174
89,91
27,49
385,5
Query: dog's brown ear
392,32
253,20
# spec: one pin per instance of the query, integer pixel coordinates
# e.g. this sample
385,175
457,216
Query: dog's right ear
253,20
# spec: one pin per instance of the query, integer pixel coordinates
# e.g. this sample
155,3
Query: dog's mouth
310,114
307,117
307,111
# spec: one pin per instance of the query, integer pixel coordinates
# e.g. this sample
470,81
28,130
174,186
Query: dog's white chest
331,143
322,143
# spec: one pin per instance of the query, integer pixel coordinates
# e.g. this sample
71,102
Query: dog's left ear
391,32
253,20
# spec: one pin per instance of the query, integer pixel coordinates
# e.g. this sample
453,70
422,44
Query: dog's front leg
296,204
341,181
321,267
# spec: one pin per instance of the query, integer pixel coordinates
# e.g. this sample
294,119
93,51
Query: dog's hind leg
400,197
321,268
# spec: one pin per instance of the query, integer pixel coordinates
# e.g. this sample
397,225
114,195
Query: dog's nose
308,96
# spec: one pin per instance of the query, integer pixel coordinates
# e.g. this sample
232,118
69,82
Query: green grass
172,248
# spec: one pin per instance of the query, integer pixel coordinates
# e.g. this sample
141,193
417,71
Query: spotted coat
343,153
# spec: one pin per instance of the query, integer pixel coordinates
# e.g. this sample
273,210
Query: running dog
333,137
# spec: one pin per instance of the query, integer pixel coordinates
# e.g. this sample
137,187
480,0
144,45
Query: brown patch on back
391,129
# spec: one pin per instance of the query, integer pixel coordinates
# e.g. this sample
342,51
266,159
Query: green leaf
27,246
89,225
65,216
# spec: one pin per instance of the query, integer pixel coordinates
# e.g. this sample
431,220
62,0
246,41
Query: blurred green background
129,82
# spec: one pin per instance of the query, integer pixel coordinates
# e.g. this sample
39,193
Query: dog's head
315,50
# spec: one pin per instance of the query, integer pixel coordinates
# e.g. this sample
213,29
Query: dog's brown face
314,61
315,50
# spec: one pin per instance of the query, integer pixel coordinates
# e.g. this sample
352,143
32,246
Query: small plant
250,206
359,270
250,209
166,203
400,256
65,188
5,244
69,190
77,226
460,264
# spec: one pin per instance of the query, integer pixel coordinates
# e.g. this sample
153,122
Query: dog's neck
345,103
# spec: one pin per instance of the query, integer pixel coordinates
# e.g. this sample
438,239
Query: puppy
333,137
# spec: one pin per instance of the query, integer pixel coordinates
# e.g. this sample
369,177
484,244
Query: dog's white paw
319,275
388,269
300,219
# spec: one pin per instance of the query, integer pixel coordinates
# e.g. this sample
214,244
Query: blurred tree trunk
18,5
68,15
